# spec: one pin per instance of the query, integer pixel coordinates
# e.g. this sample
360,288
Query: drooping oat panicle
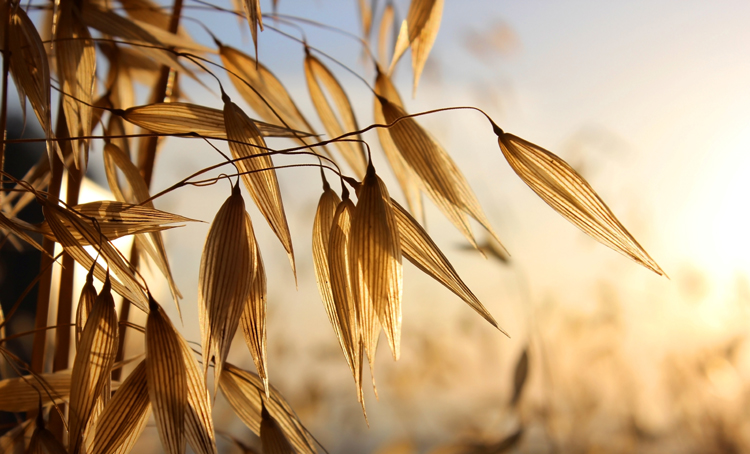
124,417
569,194
246,142
317,77
440,176
407,179
419,31
418,248
244,392
268,97
67,226
376,263
76,65
271,436
346,317
185,118
22,394
253,317
92,367
30,70
153,244
228,267
167,379
199,423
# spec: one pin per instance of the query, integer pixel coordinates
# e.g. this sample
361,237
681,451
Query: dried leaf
376,264
569,194
167,379
315,74
419,31
253,317
93,363
246,142
244,392
226,275
125,415
76,63
184,118
418,248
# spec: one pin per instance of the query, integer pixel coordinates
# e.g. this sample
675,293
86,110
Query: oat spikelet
226,275
419,31
93,363
125,415
185,118
418,248
346,315
376,263
244,392
253,317
439,175
167,379
246,142
569,194
317,77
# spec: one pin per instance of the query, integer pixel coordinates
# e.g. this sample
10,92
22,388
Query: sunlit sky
650,100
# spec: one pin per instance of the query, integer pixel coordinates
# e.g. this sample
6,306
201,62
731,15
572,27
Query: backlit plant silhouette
76,67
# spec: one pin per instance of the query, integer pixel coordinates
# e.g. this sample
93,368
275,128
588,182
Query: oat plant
78,63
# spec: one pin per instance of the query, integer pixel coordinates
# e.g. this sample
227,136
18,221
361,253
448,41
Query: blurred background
650,102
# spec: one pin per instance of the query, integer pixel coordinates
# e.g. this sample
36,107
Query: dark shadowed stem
146,159
65,304
45,283
4,102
